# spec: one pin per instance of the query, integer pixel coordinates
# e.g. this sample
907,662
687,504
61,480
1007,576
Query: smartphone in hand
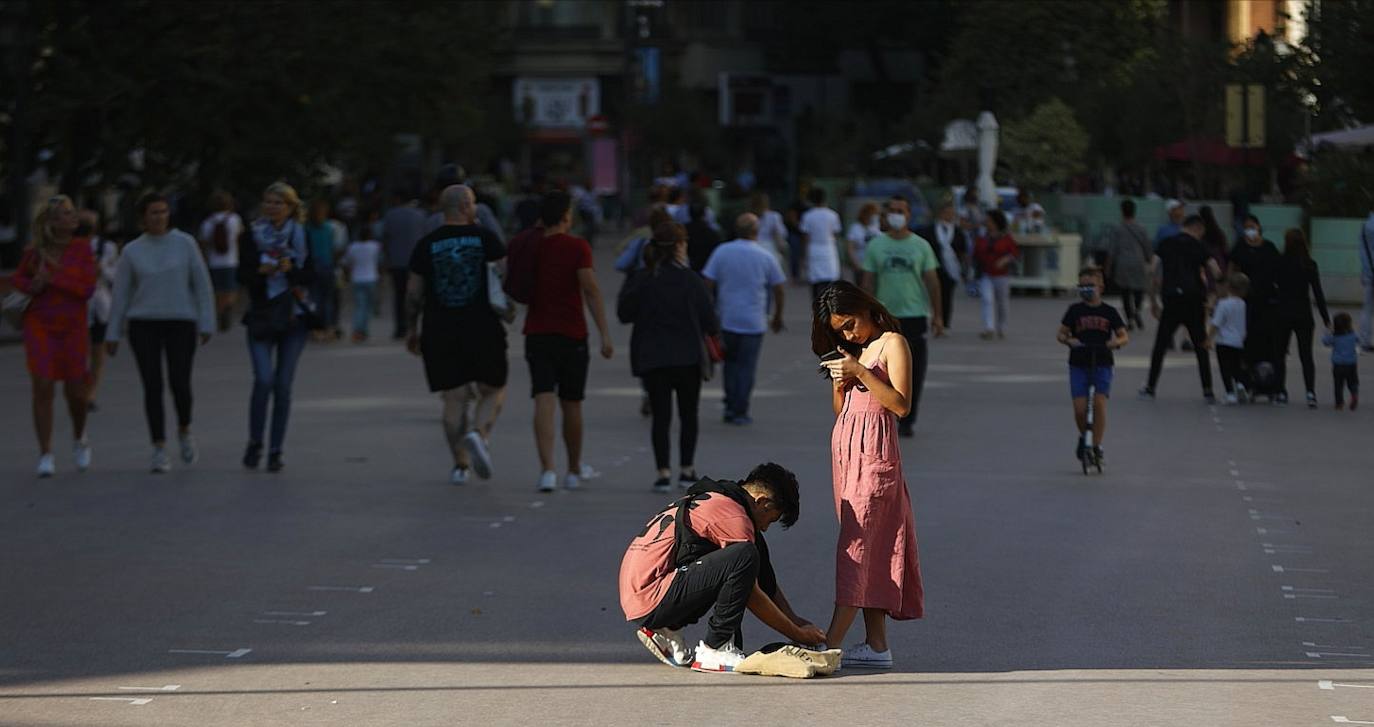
832,356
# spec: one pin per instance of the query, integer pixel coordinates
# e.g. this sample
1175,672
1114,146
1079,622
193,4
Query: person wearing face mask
900,270
952,249
1181,262
1092,330
1259,260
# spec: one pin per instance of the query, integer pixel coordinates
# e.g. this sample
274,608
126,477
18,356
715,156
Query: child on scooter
1092,330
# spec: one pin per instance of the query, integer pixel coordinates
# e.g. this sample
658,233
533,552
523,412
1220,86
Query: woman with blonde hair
58,272
275,269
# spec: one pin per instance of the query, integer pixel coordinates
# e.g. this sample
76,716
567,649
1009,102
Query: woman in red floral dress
58,271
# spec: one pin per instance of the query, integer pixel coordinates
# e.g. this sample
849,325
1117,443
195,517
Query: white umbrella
987,159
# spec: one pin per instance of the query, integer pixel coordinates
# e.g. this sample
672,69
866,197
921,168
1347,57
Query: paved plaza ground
1219,573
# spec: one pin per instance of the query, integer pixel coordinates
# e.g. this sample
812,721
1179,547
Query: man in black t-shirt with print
1182,260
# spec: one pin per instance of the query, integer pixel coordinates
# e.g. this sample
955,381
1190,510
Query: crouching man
706,553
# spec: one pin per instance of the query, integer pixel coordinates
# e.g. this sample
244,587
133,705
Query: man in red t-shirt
669,580
556,336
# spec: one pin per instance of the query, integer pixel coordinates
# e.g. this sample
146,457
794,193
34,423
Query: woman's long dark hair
1295,245
1211,231
663,245
846,299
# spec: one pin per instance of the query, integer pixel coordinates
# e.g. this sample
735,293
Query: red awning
1210,151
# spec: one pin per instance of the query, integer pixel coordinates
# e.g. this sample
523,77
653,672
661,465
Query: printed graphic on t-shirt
459,270
895,262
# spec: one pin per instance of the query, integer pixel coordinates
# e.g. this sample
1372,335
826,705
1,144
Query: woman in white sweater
162,289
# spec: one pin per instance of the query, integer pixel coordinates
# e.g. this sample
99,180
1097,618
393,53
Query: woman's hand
285,264
844,369
267,268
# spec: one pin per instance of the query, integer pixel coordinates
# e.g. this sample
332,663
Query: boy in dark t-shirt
1092,330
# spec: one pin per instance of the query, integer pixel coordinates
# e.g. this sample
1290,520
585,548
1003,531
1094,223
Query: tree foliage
1340,40
239,93
1046,146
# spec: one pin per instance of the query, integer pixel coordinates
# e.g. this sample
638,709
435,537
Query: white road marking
396,566
1329,646
408,561
235,654
1257,515
495,525
283,622
350,589
315,614
536,504
1311,620
1318,596
1308,590
1231,462
1272,548
1288,569
163,688
1327,684
1267,531
131,701
1235,472
1338,719
1320,654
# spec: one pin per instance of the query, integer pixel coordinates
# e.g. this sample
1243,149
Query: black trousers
399,278
1345,376
1287,325
1261,332
947,288
1189,314
662,384
1132,305
151,341
1231,361
721,579
914,330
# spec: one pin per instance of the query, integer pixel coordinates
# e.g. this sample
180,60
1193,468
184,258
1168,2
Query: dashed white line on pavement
163,688
1328,684
131,701
1271,531
407,561
280,621
1314,620
1289,569
536,504
1338,719
1320,654
312,614
349,589
235,654
1312,645
397,566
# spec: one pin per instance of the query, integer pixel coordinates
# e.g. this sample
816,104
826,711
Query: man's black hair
148,200
1128,208
1191,220
816,196
782,485
553,206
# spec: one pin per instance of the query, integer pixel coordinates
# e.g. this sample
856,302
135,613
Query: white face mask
896,221
1251,233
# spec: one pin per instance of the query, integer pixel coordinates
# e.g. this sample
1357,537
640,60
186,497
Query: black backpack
689,546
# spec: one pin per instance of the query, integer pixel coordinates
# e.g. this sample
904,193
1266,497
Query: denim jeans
362,305
741,364
274,382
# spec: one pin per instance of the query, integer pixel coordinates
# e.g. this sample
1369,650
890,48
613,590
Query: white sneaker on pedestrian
459,476
1232,400
190,453
722,660
571,482
588,472
81,454
47,466
548,482
862,656
162,464
667,646
477,450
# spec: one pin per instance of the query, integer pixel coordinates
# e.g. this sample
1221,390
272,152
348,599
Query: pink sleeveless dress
876,565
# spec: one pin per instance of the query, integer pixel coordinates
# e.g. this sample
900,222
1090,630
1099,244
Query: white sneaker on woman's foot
862,656
47,466
81,454
477,451
190,453
722,660
548,482
162,464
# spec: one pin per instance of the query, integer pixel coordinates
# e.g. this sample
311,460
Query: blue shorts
1081,376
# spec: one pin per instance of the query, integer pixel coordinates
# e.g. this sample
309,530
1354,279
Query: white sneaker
588,472
722,660
667,646
1232,400
548,482
190,453
162,464
81,454
477,450
862,656
47,466
459,476
571,481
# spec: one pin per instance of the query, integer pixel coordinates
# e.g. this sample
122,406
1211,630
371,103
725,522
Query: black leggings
1345,376
914,329
1232,363
150,340
661,384
1288,325
1131,303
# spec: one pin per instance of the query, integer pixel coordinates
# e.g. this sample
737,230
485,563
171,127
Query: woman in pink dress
876,567
58,271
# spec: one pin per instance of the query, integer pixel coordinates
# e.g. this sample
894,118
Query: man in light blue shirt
743,273
1367,281
1172,227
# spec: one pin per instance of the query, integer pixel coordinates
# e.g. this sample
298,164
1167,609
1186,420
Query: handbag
14,306
500,303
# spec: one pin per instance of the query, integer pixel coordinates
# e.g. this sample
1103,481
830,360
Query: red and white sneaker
666,645
720,661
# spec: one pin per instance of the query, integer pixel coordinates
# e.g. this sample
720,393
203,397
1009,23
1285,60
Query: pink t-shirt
647,570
